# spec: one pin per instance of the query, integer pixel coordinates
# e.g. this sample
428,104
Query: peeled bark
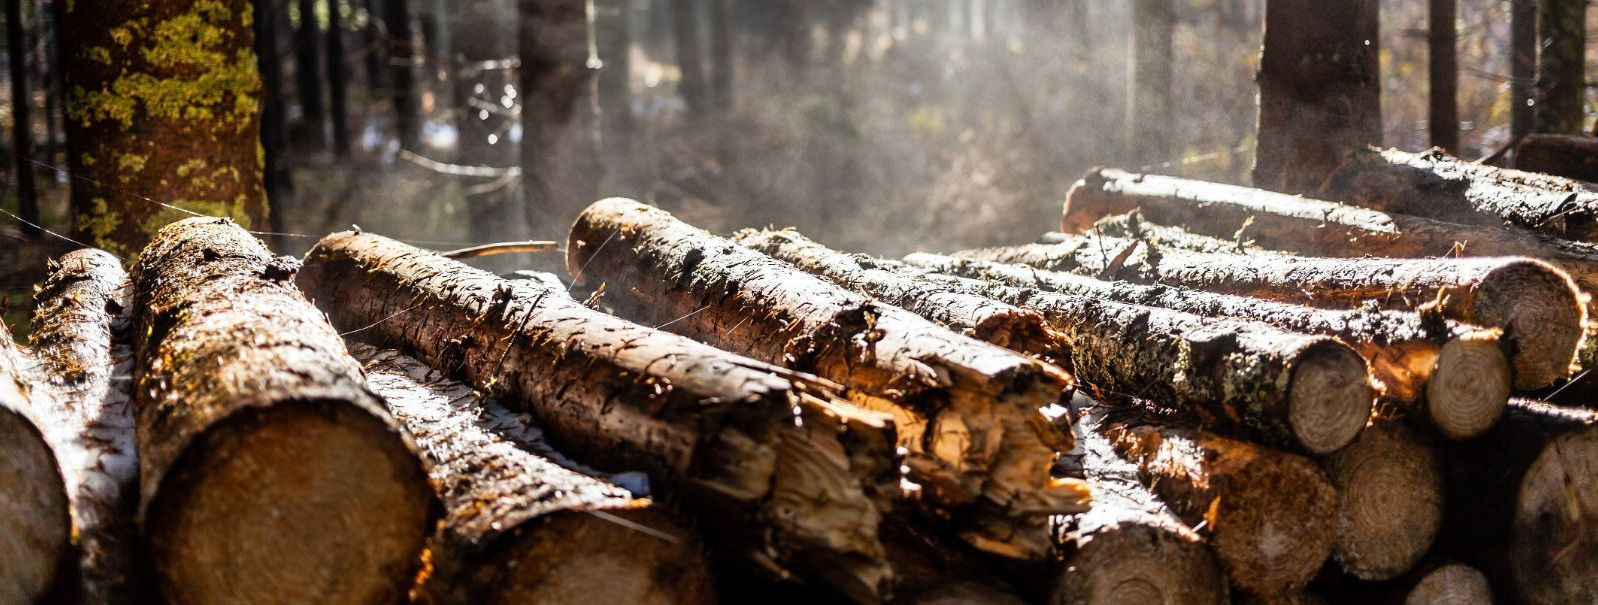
81,394
1269,516
34,520
520,524
717,430
967,412
1534,303
255,428
976,316
1570,156
1436,185
1457,375
1390,501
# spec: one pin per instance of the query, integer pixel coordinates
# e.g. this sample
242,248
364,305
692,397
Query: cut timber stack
786,477
519,527
255,427
35,525
969,413
1305,392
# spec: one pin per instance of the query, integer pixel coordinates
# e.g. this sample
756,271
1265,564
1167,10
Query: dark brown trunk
402,66
1442,68
308,74
613,37
519,526
560,158
1390,501
1522,67
1319,90
1455,376
1570,156
967,412
34,501
255,427
721,56
373,39
1561,66
491,213
21,124
337,79
690,58
712,428
1149,81
275,175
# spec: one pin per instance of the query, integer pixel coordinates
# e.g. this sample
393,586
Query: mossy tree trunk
163,103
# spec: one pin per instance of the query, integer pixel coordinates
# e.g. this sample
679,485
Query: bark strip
1456,375
1534,303
518,523
35,525
969,413
266,467
791,493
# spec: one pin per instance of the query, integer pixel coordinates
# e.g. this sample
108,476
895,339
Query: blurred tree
1522,66
690,58
337,79
372,40
721,56
402,80
1443,73
164,104
1319,90
613,40
308,74
476,89
1561,75
277,179
560,163
1149,84
21,126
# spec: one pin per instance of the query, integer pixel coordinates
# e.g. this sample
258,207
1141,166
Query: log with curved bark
81,382
1390,501
1456,375
790,492
1534,303
519,526
267,469
1567,155
969,413
1437,185
34,518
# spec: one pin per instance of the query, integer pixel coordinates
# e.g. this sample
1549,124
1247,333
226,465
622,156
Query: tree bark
1457,376
1149,81
277,179
308,74
1535,304
1436,185
1442,64
717,429
337,80
1561,66
968,412
255,427
1390,501
169,109
560,158
520,524
690,58
80,391
402,79
1570,156
1319,90
1269,516
34,502
1522,67
979,317
21,124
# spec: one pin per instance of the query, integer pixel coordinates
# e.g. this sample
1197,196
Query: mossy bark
163,103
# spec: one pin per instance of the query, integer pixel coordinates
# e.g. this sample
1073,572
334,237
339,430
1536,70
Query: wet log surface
519,526
255,428
35,523
1456,375
968,413
1535,304
787,478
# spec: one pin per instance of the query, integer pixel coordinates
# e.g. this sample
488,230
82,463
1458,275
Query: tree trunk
1522,67
976,316
690,59
1442,118
34,501
721,57
491,215
1319,90
1570,156
1436,185
21,124
715,429
277,178
518,523
967,412
1457,376
1269,516
162,116
1390,501
1535,304
374,39
308,74
1561,66
402,80
1149,81
255,427
613,37
83,402
337,79
560,158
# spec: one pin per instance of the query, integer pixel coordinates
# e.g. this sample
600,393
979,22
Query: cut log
1269,515
520,527
787,478
35,525
1129,547
1534,303
1450,584
1570,156
969,413
1436,185
81,382
1455,375
267,470
1390,501
980,317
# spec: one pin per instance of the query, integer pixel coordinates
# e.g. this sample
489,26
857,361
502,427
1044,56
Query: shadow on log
35,523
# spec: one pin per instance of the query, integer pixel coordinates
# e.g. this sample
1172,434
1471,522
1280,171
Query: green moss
189,166
233,209
131,162
100,54
101,224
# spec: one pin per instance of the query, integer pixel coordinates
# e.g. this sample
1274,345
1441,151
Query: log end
1541,313
1469,386
1275,527
1451,584
35,528
1390,501
1086,202
1140,563
1330,396
1554,549
309,501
